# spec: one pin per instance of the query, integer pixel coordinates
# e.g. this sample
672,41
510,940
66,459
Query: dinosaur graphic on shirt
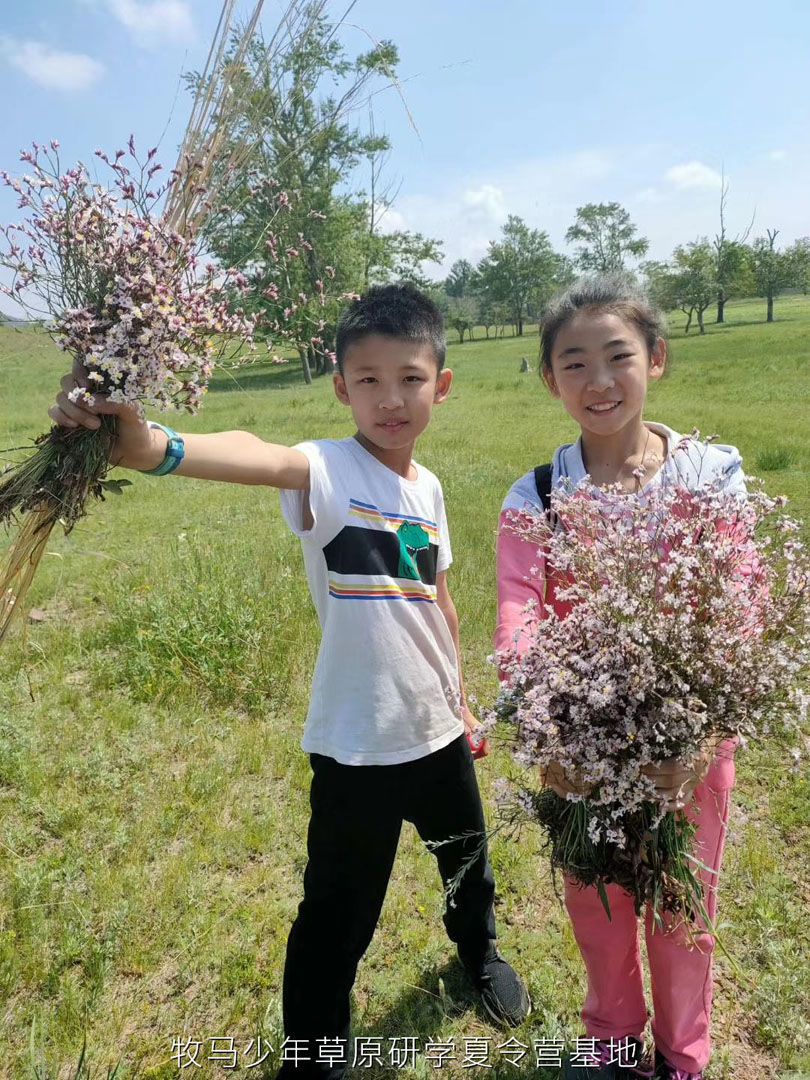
412,538
397,548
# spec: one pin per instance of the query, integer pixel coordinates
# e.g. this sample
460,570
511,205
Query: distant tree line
513,282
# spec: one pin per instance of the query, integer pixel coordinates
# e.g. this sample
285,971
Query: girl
601,344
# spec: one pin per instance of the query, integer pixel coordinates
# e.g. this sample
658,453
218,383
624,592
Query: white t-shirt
385,687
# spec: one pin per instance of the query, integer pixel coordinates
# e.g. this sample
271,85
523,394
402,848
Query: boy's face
391,386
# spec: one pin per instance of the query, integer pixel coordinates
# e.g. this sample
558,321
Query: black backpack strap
542,481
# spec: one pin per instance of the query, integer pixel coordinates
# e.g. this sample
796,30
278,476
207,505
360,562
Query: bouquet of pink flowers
125,294
687,623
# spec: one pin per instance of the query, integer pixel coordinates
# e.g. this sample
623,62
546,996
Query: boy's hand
136,445
478,744
564,782
235,457
674,781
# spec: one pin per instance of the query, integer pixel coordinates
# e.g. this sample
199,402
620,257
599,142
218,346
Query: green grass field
153,797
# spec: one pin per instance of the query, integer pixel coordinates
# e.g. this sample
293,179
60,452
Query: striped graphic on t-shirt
371,513
413,593
383,556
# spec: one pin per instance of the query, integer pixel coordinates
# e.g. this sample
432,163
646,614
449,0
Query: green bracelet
175,451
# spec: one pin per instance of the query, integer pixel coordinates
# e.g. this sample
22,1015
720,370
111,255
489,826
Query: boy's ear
444,381
658,359
341,393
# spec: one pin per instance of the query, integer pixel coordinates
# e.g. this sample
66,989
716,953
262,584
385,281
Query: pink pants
680,974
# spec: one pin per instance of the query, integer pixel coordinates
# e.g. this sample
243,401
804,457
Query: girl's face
600,366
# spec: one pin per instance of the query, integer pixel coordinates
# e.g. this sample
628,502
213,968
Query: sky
531,108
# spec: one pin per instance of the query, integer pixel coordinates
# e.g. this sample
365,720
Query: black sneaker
503,992
600,1065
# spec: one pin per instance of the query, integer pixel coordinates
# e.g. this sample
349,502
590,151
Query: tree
396,253
665,287
491,312
661,285
518,269
462,315
773,270
607,237
488,310
688,282
562,276
294,105
731,260
799,255
399,256
460,278
465,281
696,283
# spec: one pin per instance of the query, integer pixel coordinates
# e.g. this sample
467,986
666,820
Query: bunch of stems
656,865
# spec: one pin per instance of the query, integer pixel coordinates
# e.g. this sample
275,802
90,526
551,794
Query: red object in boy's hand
478,745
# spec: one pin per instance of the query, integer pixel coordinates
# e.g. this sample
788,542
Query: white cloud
153,22
693,174
647,195
484,205
778,155
52,68
388,220
545,191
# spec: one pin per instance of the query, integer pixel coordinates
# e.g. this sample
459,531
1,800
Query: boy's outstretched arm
448,609
235,457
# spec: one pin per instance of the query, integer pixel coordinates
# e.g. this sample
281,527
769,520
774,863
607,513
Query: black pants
357,814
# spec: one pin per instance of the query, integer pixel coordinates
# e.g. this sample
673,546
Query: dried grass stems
223,115
52,486
210,127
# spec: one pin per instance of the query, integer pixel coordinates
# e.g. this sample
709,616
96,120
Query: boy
387,719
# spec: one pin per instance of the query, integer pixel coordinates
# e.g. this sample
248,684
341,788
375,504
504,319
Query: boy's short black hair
400,311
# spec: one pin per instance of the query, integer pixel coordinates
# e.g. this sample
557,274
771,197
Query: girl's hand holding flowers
674,781
564,782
